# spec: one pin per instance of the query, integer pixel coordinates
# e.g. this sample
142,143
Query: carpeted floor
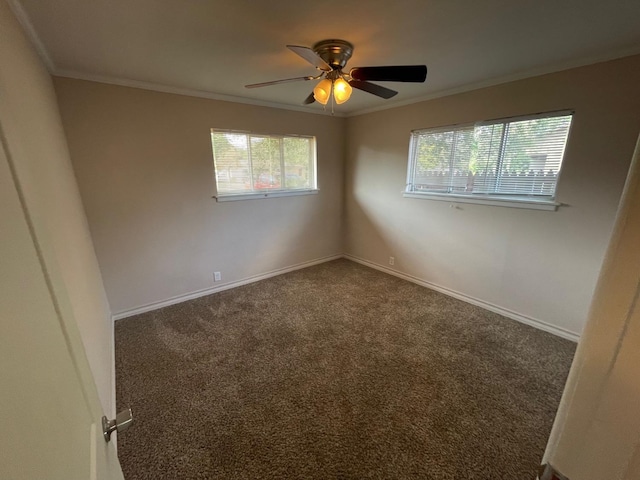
336,371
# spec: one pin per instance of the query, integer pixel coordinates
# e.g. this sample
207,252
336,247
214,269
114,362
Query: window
517,160
251,165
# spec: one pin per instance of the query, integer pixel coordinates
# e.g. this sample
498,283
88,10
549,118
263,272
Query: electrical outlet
392,260
217,276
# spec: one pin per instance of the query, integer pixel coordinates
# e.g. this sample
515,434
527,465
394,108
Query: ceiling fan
330,57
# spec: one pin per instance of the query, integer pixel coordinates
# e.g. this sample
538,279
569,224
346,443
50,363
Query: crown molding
535,72
558,67
189,92
24,20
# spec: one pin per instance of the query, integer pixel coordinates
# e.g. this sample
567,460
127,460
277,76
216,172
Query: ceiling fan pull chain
332,98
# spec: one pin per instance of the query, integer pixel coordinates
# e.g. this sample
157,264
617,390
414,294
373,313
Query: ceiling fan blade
309,100
400,73
311,57
373,88
276,82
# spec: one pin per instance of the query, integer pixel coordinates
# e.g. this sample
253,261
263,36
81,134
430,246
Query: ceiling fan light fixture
330,57
322,92
341,90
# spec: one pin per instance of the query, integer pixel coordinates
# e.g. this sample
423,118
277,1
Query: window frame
267,193
536,202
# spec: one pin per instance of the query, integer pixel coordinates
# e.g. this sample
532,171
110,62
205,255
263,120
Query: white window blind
516,157
248,163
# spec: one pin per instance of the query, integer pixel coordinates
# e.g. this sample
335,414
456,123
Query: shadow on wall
367,177
374,237
435,241
362,225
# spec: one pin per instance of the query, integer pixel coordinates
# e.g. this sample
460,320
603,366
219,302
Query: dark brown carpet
336,371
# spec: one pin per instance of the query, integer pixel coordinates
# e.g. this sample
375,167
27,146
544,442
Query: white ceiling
215,47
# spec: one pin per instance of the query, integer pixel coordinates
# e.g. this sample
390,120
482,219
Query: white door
596,433
49,409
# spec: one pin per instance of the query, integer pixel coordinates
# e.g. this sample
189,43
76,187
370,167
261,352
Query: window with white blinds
247,163
516,158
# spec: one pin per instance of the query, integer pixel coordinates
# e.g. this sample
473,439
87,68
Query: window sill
515,202
231,197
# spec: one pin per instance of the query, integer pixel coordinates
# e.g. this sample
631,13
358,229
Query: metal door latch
123,420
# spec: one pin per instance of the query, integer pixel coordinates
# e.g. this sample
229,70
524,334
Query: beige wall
37,150
144,165
541,265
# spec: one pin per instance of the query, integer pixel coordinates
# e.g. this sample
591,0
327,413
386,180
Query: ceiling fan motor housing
335,52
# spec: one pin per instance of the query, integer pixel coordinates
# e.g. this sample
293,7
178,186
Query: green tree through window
246,163
520,156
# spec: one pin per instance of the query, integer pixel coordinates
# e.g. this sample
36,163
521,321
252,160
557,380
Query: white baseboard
534,322
208,291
